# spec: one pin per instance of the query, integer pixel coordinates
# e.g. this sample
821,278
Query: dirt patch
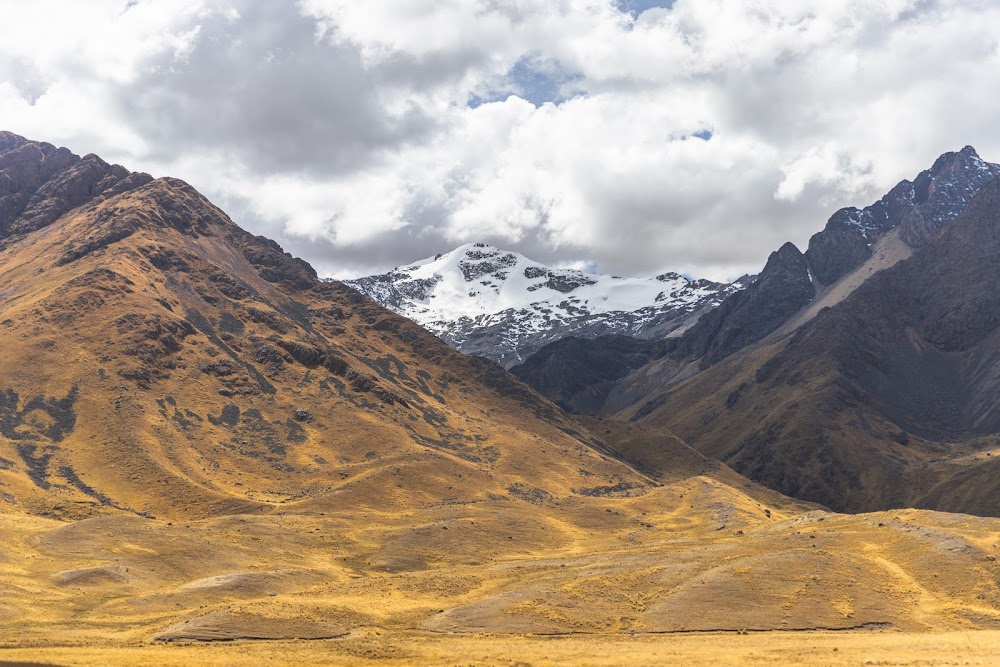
227,626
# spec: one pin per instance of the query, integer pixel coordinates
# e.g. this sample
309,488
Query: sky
632,136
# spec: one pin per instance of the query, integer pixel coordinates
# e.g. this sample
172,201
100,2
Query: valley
208,455
499,333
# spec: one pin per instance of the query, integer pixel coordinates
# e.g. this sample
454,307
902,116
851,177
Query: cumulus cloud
635,135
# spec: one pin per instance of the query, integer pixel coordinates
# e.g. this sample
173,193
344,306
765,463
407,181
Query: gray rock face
781,289
40,183
920,209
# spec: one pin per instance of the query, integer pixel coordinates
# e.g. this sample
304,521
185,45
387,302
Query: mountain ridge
886,399
847,252
172,353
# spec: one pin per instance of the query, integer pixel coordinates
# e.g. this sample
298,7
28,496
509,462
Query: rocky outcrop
40,183
781,289
920,209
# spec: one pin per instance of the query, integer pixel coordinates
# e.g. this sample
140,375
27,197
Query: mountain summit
501,305
918,209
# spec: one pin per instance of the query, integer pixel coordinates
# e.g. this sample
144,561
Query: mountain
886,399
158,357
500,305
790,291
202,442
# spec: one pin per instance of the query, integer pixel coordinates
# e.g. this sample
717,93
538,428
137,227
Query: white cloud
343,128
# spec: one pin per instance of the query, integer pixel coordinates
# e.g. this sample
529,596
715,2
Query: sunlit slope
158,359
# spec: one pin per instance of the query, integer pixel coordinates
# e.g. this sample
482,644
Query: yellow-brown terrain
200,442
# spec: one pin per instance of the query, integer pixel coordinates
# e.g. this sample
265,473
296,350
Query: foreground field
693,573
769,648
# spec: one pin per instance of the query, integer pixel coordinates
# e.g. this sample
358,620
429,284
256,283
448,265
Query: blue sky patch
535,80
702,135
636,7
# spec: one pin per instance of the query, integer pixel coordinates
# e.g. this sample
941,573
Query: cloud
639,136
262,85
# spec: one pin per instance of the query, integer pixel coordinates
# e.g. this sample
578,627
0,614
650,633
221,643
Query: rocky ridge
780,298
886,399
39,183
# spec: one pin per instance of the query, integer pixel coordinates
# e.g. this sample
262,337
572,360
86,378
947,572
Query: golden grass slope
159,360
693,556
781,649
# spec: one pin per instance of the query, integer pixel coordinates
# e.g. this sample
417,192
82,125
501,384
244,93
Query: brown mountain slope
887,399
201,441
159,359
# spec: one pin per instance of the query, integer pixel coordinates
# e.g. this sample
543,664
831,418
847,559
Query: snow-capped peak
477,287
